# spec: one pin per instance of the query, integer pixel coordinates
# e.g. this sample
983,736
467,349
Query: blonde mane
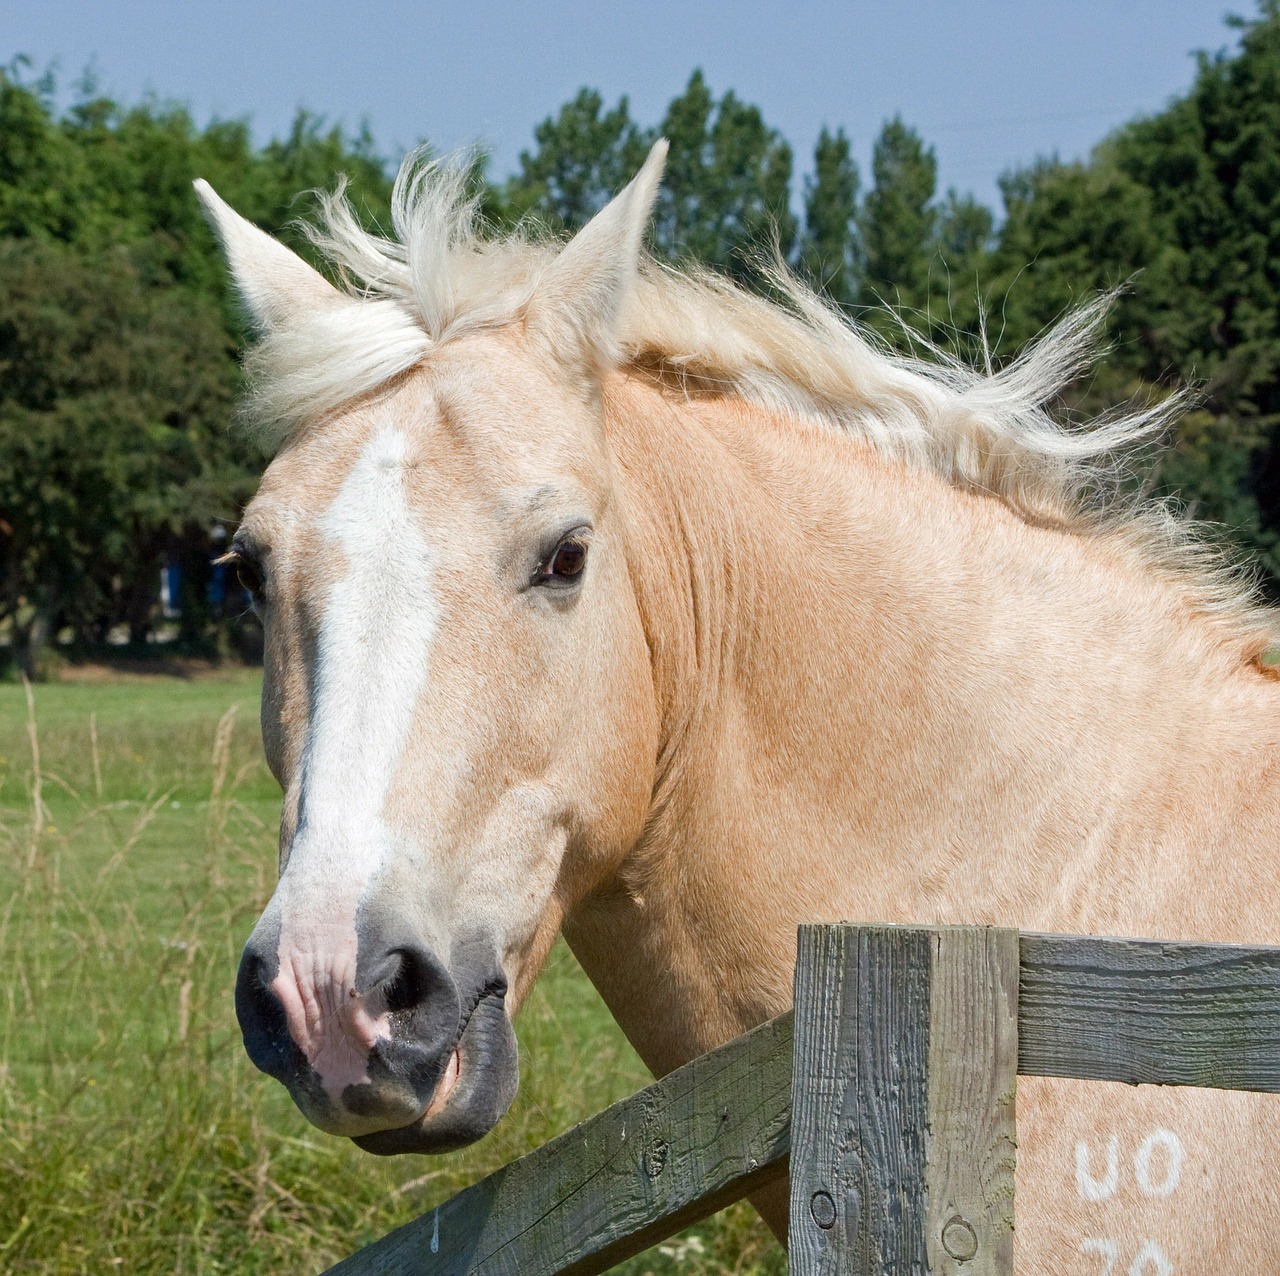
984,431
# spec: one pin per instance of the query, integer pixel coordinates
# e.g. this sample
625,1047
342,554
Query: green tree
830,253
898,221
585,154
1185,207
117,340
113,397
959,276
1070,231
1211,164
727,190
44,181
726,195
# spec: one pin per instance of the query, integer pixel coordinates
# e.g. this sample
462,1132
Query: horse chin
475,1091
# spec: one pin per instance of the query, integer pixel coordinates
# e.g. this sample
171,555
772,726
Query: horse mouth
474,1091
453,1070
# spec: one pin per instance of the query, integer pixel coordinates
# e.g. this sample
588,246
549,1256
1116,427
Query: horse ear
277,286
580,297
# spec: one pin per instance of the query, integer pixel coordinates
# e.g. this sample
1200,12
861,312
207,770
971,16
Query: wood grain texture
626,1179
1145,1011
903,1088
860,1101
972,1083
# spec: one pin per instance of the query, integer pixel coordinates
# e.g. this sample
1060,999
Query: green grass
134,1134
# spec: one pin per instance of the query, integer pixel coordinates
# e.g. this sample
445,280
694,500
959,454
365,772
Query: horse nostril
412,979
252,992
261,1015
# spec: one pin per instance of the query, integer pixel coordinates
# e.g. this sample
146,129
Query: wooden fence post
903,1086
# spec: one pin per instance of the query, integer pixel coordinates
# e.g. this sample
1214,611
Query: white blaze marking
1172,1146
1092,1189
376,630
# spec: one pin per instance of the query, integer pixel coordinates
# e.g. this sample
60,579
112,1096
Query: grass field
137,847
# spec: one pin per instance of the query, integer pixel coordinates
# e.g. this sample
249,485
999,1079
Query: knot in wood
823,1209
655,1158
959,1239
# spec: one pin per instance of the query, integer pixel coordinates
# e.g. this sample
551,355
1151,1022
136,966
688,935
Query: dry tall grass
136,850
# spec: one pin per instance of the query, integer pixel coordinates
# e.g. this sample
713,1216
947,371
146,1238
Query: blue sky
989,84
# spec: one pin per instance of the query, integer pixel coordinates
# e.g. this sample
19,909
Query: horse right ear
277,286
579,300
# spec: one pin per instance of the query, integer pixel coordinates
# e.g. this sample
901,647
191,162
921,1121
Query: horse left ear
277,286
579,299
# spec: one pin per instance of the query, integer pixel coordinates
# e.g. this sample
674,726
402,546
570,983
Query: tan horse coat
890,700
851,646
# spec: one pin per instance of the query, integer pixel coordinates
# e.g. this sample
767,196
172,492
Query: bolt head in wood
823,1209
959,1239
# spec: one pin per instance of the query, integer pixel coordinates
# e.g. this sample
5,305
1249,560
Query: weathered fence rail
897,1031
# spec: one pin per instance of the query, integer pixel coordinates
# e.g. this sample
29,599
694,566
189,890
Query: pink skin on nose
327,1018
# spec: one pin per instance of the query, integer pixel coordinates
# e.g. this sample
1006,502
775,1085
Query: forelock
438,278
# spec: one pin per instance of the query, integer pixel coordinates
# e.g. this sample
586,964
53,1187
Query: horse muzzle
392,1048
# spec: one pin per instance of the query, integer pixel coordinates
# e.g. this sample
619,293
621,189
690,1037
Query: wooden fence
888,1095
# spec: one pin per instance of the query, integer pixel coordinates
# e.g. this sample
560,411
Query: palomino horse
606,598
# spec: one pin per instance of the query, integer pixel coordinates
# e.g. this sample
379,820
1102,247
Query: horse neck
794,579
865,676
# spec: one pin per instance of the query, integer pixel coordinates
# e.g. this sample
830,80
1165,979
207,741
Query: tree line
118,336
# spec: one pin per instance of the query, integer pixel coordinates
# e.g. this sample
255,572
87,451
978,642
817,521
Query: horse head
457,699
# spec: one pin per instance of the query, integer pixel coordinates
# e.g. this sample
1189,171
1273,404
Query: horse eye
569,559
566,563
249,574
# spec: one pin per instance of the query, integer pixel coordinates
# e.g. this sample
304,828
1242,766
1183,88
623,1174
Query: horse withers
610,599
